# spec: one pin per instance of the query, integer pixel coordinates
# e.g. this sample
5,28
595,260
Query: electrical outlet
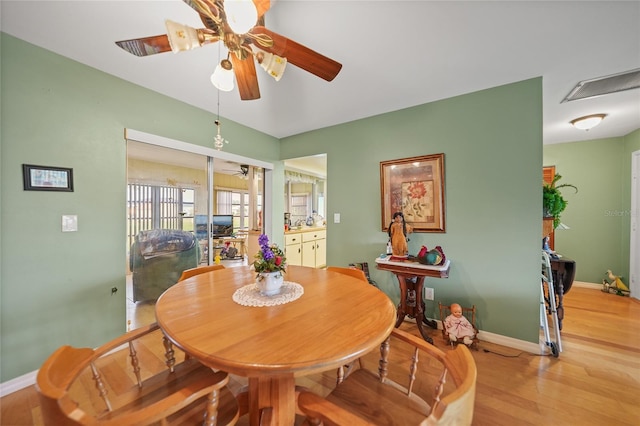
428,293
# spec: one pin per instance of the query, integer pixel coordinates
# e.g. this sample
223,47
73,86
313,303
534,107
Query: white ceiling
395,54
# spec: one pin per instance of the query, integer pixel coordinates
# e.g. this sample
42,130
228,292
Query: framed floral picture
415,187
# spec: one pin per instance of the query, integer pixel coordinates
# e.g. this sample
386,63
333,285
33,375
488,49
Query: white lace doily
249,295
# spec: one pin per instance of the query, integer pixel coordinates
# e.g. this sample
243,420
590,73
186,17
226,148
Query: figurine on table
398,230
458,326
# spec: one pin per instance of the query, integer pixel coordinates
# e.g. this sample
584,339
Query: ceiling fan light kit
222,77
181,37
588,121
274,65
239,25
242,15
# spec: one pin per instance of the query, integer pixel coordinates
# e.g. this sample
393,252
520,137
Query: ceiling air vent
604,85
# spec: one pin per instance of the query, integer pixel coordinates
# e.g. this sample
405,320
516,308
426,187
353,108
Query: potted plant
553,203
269,265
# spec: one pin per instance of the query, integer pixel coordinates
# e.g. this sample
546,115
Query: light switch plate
428,293
336,218
69,223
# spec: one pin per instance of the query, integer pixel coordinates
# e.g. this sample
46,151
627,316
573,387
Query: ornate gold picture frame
415,187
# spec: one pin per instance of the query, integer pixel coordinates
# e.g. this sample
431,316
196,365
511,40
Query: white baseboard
587,285
18,383
509,342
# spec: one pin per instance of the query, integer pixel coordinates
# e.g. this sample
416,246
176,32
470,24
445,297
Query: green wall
599,214
493,164
56,287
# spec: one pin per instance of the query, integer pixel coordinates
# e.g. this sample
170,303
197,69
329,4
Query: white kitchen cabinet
314,248
293,249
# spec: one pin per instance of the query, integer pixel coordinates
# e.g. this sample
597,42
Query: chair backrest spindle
428,398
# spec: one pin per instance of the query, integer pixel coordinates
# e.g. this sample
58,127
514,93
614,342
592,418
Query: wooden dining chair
436,388
354,272
359,274
188,273
159,387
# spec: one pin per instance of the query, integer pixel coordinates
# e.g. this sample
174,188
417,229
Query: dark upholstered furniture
157,259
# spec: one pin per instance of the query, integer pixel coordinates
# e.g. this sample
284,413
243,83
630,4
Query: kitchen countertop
306,229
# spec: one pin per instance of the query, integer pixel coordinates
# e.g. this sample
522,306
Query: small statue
615,284
458,326
398,230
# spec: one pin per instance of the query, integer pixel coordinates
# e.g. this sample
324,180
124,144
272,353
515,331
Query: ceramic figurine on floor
398,230
458,326
615,284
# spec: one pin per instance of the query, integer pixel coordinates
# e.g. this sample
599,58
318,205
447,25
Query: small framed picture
415,187
46,178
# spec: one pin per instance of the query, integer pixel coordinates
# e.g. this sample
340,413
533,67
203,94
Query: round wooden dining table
336,320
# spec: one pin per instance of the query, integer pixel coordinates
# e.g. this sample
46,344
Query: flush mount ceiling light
588,121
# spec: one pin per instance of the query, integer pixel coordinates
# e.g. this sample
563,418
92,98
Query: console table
411,277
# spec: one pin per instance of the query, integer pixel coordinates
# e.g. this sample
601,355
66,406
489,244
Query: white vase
269,283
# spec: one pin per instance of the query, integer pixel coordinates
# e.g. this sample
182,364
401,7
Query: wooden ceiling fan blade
246,78
146,46
299,55
202,7
262,6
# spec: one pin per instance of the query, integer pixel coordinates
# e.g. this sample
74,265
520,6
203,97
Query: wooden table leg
414,305
402,307
420,318
277,393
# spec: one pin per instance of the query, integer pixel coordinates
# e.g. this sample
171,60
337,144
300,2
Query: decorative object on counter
553,203
434,256
269,265
415,187
318,220
614,285
398,231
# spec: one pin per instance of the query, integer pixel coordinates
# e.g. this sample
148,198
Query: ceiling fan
246,42
243,173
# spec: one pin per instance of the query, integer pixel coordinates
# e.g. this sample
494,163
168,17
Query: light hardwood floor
594,381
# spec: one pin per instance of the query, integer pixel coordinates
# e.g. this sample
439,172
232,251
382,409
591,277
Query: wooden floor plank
594,381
